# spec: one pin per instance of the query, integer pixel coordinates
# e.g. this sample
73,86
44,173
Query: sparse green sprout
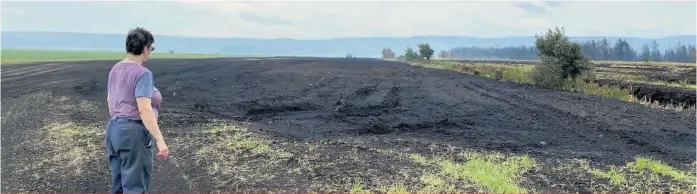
394,188
418,158
659,167
433,182
493,172
357,188
616,176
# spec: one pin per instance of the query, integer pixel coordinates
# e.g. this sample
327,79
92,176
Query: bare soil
328,123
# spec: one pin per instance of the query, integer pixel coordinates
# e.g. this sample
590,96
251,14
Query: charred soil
319,124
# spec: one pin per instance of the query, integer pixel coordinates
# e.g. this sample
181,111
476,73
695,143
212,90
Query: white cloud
326,19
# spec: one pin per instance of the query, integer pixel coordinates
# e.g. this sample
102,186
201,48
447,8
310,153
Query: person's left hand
162,149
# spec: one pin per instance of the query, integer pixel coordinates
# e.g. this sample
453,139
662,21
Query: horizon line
348,37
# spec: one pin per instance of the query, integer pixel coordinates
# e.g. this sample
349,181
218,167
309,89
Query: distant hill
338,47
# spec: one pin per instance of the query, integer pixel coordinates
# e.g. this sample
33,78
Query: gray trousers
130,148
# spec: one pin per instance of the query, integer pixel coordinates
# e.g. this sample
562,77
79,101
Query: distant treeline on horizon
602,50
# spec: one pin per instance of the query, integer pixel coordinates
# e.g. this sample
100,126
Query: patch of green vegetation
562,66
18,56
634,63
225,128
237,153
643,80
394,188
419,159
681,84
641,175
239,140
580,86
619,76
519,74
617,178
434,182
506,72
491,172
653,63
658,167
69,142
514,73
358,188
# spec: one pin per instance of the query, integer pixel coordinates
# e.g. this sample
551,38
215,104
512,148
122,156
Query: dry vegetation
237,156
71,146
520,73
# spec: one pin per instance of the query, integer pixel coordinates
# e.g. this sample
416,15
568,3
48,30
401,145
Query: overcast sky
329,19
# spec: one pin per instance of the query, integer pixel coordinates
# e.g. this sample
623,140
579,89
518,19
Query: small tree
410,54
171,52
387,53
561,60
425,51
348,55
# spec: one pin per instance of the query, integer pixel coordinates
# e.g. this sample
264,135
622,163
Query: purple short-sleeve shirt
127,81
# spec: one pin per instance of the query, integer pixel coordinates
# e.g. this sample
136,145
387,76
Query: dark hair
137,40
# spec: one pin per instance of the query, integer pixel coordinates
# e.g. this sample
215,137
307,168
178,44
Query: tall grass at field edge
520,74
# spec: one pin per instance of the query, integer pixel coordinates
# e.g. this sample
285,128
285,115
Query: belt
127,120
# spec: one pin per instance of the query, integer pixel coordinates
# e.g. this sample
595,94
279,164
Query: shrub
411,55
562,60
425,51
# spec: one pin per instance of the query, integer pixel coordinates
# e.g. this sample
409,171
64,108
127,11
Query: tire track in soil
629,137
538,114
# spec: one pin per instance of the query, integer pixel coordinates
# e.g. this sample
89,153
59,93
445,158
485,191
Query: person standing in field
133,104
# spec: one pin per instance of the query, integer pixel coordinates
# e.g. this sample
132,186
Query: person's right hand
162,150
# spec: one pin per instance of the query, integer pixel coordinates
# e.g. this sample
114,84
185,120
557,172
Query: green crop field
18,56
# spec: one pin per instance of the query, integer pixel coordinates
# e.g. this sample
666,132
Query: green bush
562,60
411,55
425,51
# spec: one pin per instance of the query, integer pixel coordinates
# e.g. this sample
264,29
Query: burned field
318,124
662,83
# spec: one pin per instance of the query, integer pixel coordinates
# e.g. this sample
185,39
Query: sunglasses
152,48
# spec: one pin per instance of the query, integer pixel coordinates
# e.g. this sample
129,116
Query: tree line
594,50
425,52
